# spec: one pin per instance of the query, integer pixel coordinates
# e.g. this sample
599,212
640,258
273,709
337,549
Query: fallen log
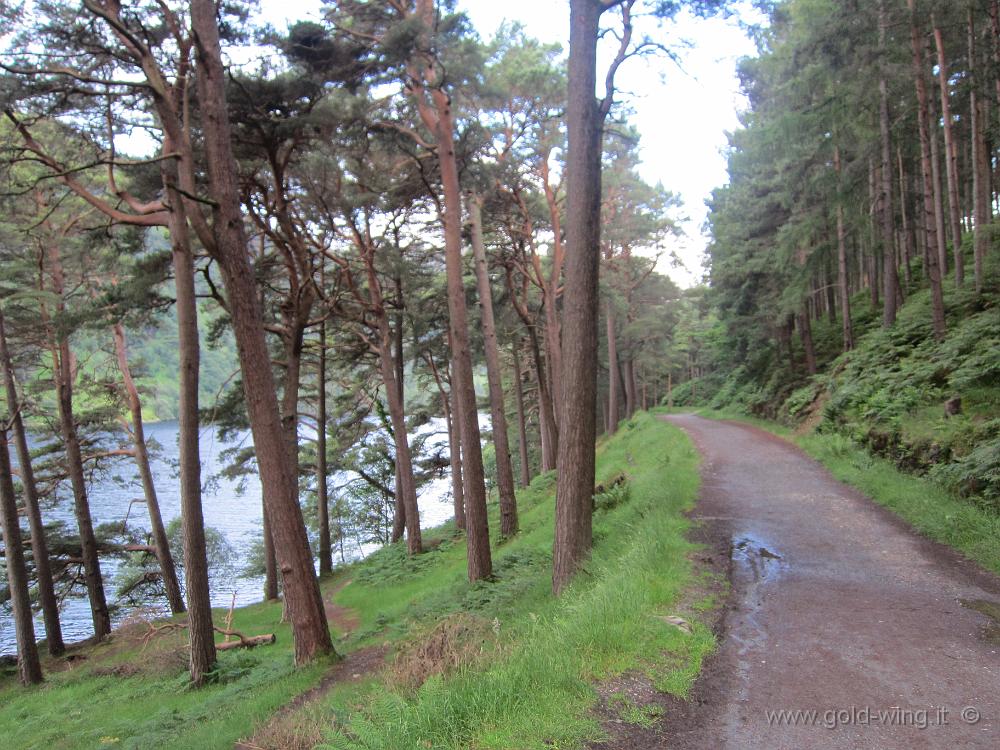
251,642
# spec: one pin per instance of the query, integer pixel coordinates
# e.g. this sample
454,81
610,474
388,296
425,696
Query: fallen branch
244,641
252,642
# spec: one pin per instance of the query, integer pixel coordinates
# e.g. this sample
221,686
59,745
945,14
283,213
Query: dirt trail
836,607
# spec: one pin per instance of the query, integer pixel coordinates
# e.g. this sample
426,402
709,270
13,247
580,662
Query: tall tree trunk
455,457
501,442
890,278
871,257
980,161
199,604
63,375
614,377
805,333
940,231
932,217
39,545
907,239
628,375
322,484
29,668
577,428
159,533
305,604
399,509
522,428
546,409
434,107
950,157
843,284
406,488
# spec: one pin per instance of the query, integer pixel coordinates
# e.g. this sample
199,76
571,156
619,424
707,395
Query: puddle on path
756,558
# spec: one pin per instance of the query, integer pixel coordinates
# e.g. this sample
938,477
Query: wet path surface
837,608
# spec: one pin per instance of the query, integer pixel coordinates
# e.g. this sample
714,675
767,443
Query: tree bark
199,604
577,428
322,486
614,414
939,213
62,373
455,457
39,545
501,442
628,375
302,594
29,668
434,107
846,326
980,162
406,490
932,218
159,533
522,428
805,333
950,157
890,278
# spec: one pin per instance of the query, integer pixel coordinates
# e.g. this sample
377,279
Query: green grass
100,702
527,682
927,506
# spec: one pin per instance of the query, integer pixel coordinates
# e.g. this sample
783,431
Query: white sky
683,116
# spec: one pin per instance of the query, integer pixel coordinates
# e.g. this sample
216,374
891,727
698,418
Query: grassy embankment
492,665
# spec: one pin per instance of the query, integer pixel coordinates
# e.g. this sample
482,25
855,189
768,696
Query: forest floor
878,636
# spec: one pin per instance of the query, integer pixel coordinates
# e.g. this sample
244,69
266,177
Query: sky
682,115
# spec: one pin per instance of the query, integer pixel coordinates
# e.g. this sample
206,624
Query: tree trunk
455,457
577,428
907,239
199,604
159,533
29,668
950,158
932,217
406,488
614,377
305,604
39,545
846,327
628,375
546,409
980,162
322,485
940,232
62,373
871,257
889,275
805,333
501,442
480,564
522,429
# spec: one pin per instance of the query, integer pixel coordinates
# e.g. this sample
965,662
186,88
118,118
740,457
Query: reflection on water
236,515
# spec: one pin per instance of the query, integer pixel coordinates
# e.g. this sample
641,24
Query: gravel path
837,608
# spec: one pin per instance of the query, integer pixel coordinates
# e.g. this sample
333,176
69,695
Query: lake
236,515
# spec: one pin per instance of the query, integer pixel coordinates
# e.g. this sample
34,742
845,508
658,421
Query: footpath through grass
929,507
499,664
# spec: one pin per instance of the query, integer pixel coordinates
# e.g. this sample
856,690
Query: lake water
236,515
